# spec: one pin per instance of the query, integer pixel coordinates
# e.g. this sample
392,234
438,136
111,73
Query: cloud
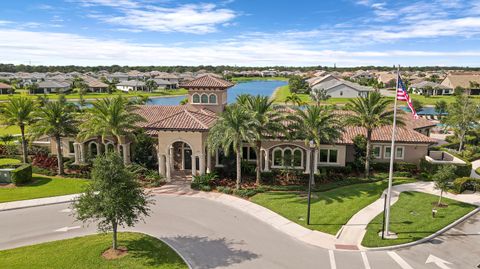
198,18
64,49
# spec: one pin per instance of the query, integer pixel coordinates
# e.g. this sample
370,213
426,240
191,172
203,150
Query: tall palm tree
233,128
268,122
110,117
370,112
294,99
317,124
56,120
19,112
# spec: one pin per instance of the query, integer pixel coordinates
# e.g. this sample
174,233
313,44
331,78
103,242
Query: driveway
213,235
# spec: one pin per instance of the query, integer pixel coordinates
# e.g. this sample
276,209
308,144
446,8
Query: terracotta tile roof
179,118
207,81
384,134
5,86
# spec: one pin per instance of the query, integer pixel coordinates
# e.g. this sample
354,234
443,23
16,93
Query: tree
319,95
80,86
19,112
151,85
417,105
114,198
441,108
360,149
459,91
462,117
56,120
267,122
370,112
110,117
294,99
32,88
297,84
444,175
232,129
317,124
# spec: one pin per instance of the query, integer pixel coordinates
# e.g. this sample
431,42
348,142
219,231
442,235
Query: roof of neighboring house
133,83
384,134
160,81
53,84
423,84
386,77
457,80
207,81
166,76
176,118
5,86
94,83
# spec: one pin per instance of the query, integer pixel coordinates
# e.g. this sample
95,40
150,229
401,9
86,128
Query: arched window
93,148
297,158
287,157
213,99
204,99
277,157
110,147
196,98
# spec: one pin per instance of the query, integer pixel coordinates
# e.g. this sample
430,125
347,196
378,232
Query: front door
187,159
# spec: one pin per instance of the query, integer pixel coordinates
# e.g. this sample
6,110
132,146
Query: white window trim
90,149
403,152
379,152
201,98
385,152
193,96
328,156
216,99
282,151
217,159
249,159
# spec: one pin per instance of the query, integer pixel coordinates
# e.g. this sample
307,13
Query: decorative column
209,161
161,164
315,161
168,167
77,152
307,164
202,164
194,165
170,157
267,161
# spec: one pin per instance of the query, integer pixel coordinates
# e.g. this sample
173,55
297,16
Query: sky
241,32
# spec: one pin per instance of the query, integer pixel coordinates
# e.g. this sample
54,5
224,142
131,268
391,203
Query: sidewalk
475,165
38,202
353,232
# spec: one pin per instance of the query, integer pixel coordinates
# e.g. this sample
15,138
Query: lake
250,87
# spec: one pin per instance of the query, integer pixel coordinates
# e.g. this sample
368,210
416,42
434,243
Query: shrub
462,183
268,177
430,168
45,161
202,181
245,193
402,174
43,171
397,166
226,190
22,174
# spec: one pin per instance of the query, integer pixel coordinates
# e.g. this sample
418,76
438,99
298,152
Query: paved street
212,235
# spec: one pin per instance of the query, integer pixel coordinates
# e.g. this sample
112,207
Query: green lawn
246,79
330,209
10,130
5,161
85,252
41,187
102,95
411,219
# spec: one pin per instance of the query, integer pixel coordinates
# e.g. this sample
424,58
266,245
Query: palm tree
294,99
19,112
151,85
317,124
319,95
56,120
268,122
110,117
234,127
370,112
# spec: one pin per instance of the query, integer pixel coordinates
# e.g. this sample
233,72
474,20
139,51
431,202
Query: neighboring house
453,81
336,87
269,73
173,79
95,85
388,79
5,88
52,86
117,76
165,84
360,74
430,88
131,85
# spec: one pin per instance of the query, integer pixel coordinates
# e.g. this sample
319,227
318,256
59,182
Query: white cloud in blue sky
241,32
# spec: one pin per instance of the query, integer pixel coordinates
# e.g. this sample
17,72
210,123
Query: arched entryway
182,156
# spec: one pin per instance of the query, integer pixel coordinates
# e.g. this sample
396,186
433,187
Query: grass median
86,252
412,220
330,210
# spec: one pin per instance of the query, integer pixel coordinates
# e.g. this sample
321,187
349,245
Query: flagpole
392,156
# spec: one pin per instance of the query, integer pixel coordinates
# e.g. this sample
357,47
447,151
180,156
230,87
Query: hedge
431,168
397,166
22,174
460,184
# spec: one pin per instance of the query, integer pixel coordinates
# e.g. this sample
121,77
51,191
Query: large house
5,88
430,88
131,85
182,131
336,87
470,82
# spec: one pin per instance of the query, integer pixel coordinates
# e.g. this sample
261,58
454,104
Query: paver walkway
475,165
352,233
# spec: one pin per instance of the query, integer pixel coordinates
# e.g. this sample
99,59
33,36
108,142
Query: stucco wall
196,140
413,153
221,99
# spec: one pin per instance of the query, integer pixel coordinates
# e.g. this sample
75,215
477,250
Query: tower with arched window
208,92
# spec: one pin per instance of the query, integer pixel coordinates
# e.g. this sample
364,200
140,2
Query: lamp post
310,179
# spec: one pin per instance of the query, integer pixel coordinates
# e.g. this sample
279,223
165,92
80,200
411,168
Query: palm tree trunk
440,200
367,157
24,144
59,155
239,167
114,235
259,162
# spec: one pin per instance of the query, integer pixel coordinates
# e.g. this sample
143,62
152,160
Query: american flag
402,95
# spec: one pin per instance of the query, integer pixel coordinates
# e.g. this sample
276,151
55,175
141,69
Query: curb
37,205
174,249
428,238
